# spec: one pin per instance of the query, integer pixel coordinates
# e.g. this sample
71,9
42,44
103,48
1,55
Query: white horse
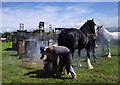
106,37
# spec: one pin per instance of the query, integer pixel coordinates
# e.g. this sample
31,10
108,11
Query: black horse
79,39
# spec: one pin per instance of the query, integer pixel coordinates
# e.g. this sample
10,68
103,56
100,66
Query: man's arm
42,57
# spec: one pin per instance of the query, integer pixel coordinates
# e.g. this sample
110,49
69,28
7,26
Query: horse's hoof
90,68
109,56
80,65
19,57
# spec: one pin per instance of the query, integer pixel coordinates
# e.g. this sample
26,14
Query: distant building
20,35
27,44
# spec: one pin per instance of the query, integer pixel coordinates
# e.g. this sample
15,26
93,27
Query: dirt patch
34,61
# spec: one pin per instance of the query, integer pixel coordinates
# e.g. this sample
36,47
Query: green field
16,71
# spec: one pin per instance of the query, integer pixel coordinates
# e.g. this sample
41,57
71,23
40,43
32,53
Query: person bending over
64,56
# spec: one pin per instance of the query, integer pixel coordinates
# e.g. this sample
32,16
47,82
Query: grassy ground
16,71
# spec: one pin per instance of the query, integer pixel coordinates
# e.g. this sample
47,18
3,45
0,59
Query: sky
58,14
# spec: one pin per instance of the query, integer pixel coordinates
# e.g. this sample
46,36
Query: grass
16,71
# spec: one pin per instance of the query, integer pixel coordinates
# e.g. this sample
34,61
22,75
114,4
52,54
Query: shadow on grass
111,55
14,55
43,74
10,49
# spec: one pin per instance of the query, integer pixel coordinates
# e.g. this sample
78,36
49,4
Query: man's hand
41,58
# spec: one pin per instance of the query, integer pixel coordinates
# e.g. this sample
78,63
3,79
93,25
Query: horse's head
89,26
99,29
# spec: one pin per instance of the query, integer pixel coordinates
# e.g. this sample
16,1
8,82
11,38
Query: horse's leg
94,51
79,56
109,54
88,60
103,50
94,55
79,53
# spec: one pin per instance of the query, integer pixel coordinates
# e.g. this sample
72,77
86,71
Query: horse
79,39
105,37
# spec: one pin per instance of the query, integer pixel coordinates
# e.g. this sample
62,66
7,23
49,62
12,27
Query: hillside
113,29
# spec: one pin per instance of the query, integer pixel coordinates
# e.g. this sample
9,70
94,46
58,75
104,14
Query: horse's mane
105,30
86,26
